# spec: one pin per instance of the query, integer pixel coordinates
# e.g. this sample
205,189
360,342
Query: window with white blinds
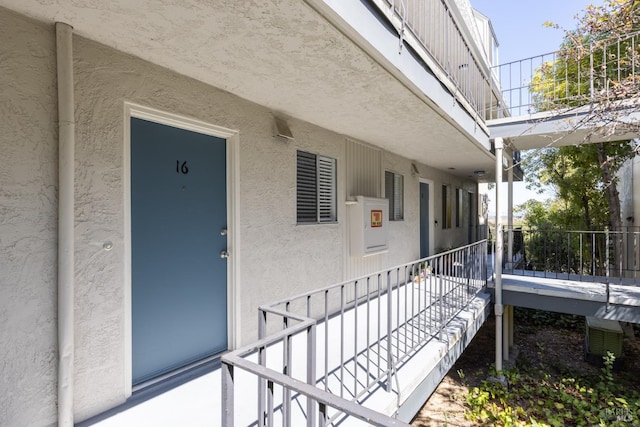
394,191
316,188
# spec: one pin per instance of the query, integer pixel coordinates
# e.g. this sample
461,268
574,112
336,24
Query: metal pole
311,373
227,395
66,285
387,383
510,213
262,360
499,145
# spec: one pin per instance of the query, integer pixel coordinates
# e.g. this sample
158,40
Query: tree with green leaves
598,68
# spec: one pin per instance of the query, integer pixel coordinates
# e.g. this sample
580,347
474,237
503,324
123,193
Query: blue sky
518,25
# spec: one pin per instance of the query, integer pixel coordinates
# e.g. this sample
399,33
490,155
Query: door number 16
182,168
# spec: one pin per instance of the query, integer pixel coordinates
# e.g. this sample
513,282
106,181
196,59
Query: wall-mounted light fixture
282,129
414,170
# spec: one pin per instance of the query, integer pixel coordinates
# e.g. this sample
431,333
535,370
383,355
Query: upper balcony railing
592,71
433,25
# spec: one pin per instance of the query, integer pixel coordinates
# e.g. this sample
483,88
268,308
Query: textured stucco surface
273,52
277,258
28,222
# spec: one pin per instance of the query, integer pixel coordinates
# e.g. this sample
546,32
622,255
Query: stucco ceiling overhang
281,54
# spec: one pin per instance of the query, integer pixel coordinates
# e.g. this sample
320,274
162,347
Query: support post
511,321
508,319
311,373
262,360
499,145
387,384
509,264
227,395
506,331
66,156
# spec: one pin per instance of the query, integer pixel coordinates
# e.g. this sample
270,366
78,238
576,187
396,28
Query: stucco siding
28,222
276,257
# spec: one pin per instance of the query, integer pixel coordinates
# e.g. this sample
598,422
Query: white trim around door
233,235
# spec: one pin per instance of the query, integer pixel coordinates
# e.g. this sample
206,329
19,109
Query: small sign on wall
376,218
368,224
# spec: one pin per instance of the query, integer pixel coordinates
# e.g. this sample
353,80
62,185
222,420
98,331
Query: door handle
224,254
223,232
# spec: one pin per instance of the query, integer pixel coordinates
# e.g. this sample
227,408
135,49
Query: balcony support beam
509,263
499,309
508,317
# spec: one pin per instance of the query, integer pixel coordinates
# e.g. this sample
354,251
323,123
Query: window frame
320,193
396,211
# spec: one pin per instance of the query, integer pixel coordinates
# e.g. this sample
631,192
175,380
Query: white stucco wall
277,257
28,222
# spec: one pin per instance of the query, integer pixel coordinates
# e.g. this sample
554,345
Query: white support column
506,332
508,318
498,143
511,322
510,213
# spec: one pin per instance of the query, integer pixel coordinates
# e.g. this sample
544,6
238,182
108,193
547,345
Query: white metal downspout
498,143
66,148
507,320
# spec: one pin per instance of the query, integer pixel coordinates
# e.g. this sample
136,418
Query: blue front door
178,230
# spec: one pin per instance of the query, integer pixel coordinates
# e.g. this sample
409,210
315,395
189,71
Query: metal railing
433,25
607,255
590,71
349,339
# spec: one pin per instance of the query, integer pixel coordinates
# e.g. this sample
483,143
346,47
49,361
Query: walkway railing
591,71
349,339
607,255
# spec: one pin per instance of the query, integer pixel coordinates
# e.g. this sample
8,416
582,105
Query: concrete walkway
198,401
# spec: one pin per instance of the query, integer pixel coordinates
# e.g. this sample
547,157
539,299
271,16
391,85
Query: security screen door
178,232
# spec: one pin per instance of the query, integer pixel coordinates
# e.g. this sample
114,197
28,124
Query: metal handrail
324,399
433,25
584,255
414,302
600,63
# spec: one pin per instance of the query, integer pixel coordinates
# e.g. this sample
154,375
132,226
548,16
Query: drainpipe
507,320
499,145
66,142
510,213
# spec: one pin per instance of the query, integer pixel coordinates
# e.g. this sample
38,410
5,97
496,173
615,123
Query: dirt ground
561,348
